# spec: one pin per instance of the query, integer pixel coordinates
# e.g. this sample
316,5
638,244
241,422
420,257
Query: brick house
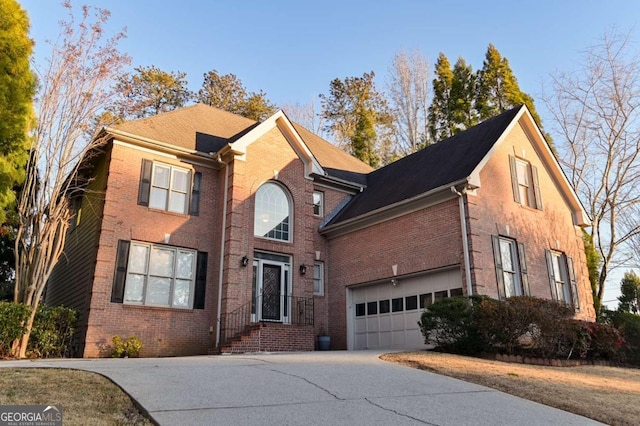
200,231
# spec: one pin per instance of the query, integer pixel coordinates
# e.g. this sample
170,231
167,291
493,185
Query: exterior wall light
303,269
244,261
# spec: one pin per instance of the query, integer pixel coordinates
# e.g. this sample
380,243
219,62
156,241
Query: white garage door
386,316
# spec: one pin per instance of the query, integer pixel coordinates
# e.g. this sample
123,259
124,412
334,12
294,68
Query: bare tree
408,88
597,120
305,115
75,84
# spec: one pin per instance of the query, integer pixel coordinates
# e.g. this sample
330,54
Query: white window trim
291,218
147,275
319,279
171,190
561,277
320,204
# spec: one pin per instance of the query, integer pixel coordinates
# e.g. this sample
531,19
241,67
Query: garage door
386,316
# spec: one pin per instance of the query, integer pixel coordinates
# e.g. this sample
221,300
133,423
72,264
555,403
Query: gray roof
442,163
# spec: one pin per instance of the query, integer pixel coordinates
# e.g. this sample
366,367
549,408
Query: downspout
465,241
222,240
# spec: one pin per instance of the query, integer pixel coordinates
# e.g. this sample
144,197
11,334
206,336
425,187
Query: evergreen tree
498,88
17,88
228,93
355,105
594,262
363,139
441,124
463,94
629,301
150,91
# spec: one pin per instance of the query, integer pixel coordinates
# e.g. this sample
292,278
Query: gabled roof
439,165
208,130
197,127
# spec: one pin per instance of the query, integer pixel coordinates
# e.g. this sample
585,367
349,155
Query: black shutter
120,276
201,281
552,277
536,188
145,182
498,261
524,278
514,179
574,284
194,208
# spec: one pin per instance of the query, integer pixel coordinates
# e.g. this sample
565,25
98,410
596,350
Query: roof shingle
445,162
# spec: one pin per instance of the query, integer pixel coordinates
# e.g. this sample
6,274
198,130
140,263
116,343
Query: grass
607,394
86,398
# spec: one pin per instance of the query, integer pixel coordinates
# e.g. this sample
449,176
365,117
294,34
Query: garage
385,315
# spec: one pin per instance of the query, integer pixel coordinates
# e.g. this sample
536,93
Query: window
272,213
158,275
411,303
511,267
524,180
372,308
169,188
318,279
562,278
360,309
384,306
425,300
397,304
318,203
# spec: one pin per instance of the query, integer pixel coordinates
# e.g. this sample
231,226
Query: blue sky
293,49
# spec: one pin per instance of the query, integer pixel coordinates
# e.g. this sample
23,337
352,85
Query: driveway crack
327,391
399,413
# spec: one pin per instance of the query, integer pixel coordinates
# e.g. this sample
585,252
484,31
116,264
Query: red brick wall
270,154
493,211
420,241
163,331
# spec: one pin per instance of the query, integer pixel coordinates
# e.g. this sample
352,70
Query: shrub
52,332
129,348
448,325
628,325
12,324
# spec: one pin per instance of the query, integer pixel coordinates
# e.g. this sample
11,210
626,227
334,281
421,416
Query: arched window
272,215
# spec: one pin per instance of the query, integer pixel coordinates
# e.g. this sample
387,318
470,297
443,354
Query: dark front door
272,292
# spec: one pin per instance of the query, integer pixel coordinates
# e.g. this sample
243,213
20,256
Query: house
201,231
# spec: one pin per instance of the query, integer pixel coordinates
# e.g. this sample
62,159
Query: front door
272,290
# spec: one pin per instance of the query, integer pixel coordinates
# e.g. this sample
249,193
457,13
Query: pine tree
441,124
364,139
17,88
463,94
498,88
629,301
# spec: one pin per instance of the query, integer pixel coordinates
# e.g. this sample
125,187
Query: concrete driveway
316,388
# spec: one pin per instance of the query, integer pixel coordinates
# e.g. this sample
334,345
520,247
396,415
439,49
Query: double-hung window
159,275
525,183
169,188
511,267
562,278
318,279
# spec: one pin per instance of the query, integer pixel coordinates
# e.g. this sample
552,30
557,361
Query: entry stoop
272,337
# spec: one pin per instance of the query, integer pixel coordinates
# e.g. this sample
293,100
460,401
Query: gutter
222,240
465,241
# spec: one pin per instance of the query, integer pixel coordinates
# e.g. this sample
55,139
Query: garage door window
411,303
360,309
397,304
372,308
384,307
425,300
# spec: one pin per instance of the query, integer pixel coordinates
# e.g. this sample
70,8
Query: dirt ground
607,394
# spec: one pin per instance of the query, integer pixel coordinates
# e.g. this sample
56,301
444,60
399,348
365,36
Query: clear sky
293,49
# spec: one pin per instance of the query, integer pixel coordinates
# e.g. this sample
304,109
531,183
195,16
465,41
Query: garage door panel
391,313
385,323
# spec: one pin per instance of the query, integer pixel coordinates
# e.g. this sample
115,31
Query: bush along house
199,231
